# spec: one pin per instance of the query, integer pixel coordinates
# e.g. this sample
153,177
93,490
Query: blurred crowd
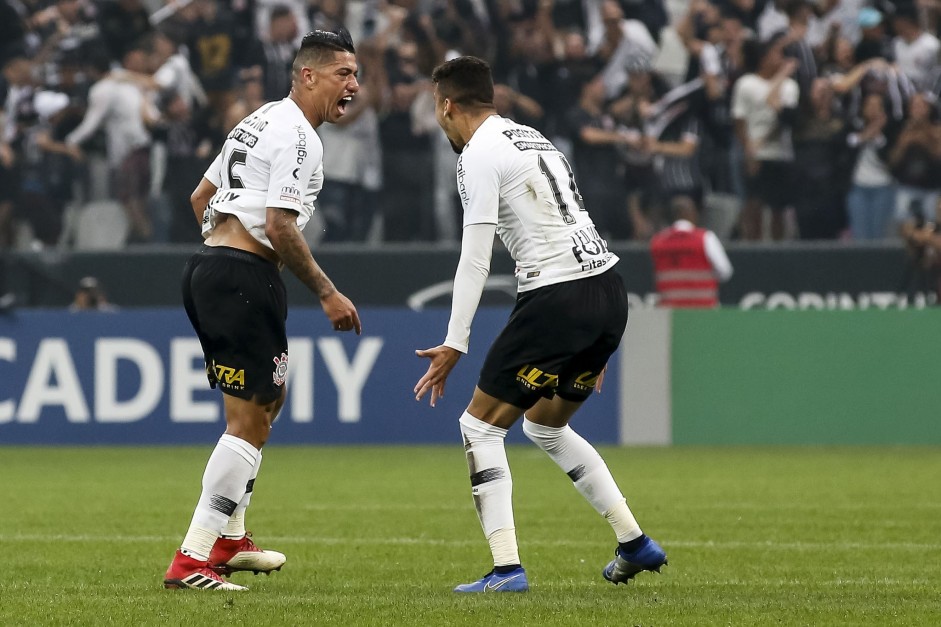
793,118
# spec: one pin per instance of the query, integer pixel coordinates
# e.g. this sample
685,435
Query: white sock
492,487
236,525
584,466
224,481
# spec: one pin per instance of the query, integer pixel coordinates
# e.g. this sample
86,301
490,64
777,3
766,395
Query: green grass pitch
378,536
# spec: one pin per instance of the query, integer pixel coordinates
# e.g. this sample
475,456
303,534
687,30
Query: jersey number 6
237,157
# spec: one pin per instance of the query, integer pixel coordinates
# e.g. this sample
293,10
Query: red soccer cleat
229,556
188,573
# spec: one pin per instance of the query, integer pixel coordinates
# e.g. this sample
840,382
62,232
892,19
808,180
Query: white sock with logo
235,528
227,473
588,472
492,487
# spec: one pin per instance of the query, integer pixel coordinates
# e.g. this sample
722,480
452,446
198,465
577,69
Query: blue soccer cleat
513,581
625,565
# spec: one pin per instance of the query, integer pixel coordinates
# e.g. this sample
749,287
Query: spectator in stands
189,151
17,113
796,46
353,174
71,31
595,139
773,19
916,51
123,24
90,297
634,113
274,55
571,73
764,107
406,150
823,164
514,105
117,104
689,262
626,42
915,161
673,139
530,69
871,199
874,42
214,54
174,74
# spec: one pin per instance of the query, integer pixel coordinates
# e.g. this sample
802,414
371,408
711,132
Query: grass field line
323,540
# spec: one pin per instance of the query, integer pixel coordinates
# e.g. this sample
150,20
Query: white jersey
272,158
511,175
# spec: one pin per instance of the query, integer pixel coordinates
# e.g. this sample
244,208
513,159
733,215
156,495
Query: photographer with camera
90,297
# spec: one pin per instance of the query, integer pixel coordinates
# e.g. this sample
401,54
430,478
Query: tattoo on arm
290,245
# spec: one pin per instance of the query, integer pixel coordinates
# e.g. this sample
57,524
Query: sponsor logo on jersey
461,187
533,146
301,145
229,376
280,369
241,135
534,378
588,242
290,194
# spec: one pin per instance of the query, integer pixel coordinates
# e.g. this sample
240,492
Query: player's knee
544,437
475,430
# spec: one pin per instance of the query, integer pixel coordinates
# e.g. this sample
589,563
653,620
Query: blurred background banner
722,377
791,275
137,377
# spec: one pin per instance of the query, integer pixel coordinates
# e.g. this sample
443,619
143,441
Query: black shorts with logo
237,304
557,341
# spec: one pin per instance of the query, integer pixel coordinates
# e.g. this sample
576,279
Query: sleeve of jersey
478,182
472,272
293,159
214,172
717,257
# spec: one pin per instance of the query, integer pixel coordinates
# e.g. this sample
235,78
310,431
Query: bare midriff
230,232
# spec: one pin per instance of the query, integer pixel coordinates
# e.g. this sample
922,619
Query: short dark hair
465,81
278,11
755,51
320,45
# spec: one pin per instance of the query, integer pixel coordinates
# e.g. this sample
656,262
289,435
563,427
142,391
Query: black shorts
557,341
237,304
773,184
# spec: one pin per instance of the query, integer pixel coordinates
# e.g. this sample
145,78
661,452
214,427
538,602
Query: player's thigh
240,306
553,412
580,372
492,410
547,330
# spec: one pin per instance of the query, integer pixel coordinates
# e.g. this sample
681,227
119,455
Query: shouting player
253,202
570,314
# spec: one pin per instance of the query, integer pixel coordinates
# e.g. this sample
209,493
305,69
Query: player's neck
314,119
474,122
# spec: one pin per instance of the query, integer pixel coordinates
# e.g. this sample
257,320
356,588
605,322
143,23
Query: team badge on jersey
280,369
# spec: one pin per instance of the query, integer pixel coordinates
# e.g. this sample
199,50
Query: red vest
682,271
